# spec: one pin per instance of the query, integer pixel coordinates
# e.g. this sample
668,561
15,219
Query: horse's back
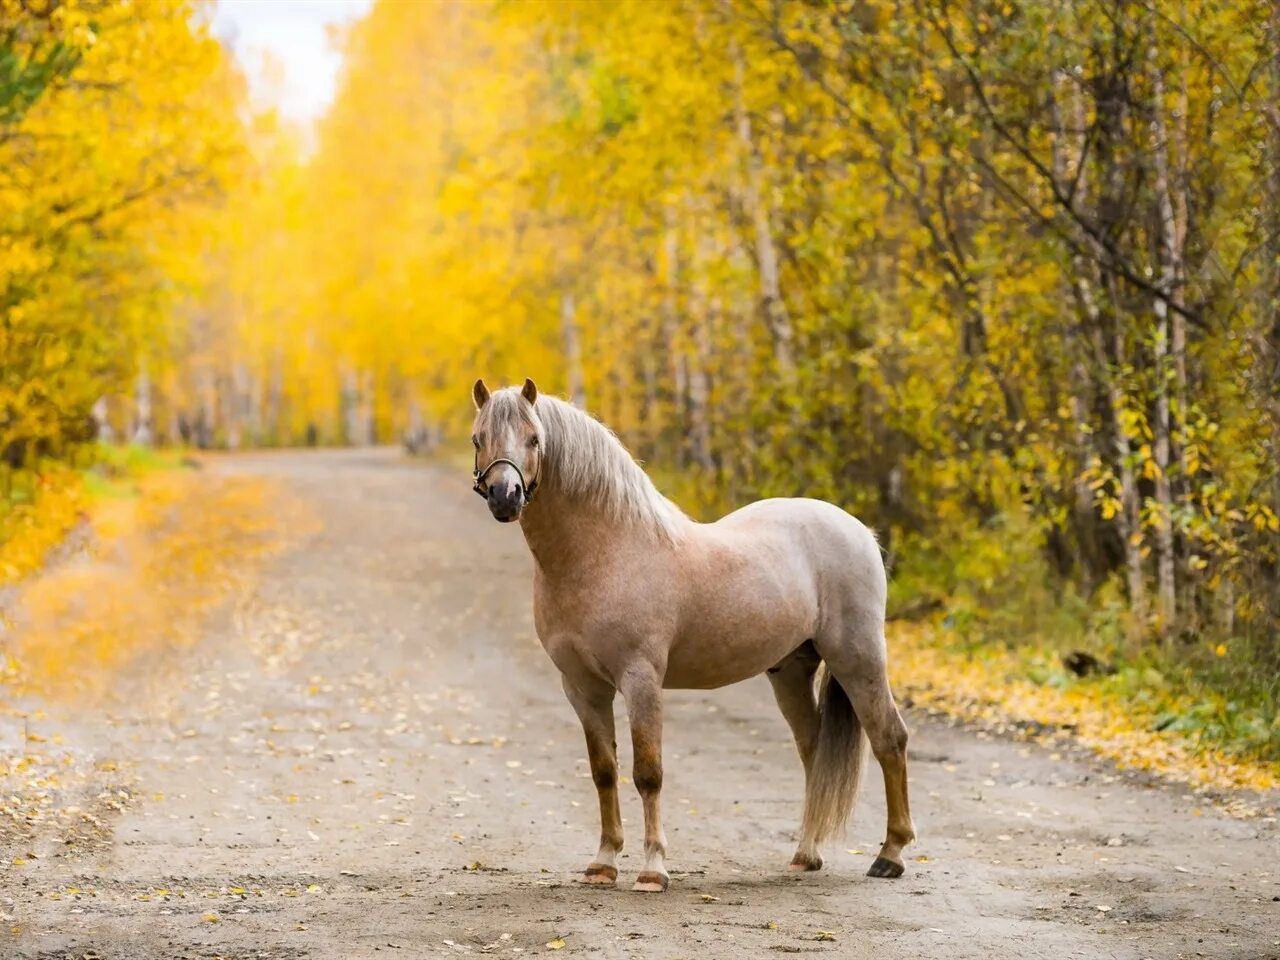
839,551
826,534
814,548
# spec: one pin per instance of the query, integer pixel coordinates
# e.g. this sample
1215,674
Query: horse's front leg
643,692
595,709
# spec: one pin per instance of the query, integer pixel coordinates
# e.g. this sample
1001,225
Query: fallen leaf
556,944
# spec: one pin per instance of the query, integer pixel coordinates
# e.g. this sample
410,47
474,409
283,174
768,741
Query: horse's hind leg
793,688
859,666
595,710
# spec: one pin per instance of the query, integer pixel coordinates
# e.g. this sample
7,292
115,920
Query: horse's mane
584,459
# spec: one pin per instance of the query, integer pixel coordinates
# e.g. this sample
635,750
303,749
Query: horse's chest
601,626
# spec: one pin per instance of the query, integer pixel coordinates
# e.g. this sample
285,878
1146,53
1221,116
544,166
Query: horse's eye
533,441
475,442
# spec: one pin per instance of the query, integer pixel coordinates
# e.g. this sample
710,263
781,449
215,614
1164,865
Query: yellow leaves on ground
993,688
28,531
160,563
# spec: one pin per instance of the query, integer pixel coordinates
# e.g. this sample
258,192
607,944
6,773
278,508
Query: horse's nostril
506,497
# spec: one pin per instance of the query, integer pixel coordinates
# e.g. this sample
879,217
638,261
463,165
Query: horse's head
508,438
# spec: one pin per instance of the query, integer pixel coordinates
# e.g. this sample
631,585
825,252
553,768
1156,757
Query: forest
1002,278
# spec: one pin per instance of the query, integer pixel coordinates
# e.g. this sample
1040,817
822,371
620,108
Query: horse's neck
567,536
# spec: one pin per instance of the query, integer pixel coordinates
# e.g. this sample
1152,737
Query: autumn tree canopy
1003,278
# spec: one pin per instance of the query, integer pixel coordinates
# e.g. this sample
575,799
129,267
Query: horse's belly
739,641
746,607
708,672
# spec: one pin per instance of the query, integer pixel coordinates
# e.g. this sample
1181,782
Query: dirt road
371,756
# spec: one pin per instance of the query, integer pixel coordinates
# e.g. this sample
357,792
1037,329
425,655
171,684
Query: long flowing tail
838,759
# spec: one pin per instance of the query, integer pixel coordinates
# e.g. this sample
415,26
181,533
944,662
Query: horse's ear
530,390
480,394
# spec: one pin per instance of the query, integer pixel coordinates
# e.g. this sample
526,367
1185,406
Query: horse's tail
838,759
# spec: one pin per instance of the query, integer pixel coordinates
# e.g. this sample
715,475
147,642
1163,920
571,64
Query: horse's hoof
650,882
801,863
599,874
884,867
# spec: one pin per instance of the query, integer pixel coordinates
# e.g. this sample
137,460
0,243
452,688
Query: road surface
371,756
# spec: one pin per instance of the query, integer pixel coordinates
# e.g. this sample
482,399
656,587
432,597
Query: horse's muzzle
506,502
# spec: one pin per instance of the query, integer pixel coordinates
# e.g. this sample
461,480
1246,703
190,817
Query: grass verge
1137,717
43,509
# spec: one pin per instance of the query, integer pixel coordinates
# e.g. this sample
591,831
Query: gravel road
371,755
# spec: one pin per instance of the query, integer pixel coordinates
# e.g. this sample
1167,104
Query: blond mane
585,460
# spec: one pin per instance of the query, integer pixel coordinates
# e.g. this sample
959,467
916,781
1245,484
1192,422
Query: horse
632,596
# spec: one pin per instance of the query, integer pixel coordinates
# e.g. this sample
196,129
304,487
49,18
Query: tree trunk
368,409
1129,519
699,379
650,419
672,338
143,434
1113,120
102,422
275,403
572,348
772,305
1067,156
1170,257
349,400
207,417
1269,312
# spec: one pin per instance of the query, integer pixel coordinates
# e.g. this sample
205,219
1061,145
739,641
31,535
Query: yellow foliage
886,258
992,687
159,563
29,531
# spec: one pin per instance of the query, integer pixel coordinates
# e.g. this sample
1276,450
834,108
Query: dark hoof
802,864
650,882
884,867
599,873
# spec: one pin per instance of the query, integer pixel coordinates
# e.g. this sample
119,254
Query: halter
478,475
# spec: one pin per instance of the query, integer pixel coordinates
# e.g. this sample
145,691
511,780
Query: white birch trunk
671,334
1170,256
772,305
572,338
143,434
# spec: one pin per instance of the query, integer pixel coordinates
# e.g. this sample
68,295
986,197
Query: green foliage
23,78
116,469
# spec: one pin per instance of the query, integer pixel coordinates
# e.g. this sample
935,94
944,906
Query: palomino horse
632,596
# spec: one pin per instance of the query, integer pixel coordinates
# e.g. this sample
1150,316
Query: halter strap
478,476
